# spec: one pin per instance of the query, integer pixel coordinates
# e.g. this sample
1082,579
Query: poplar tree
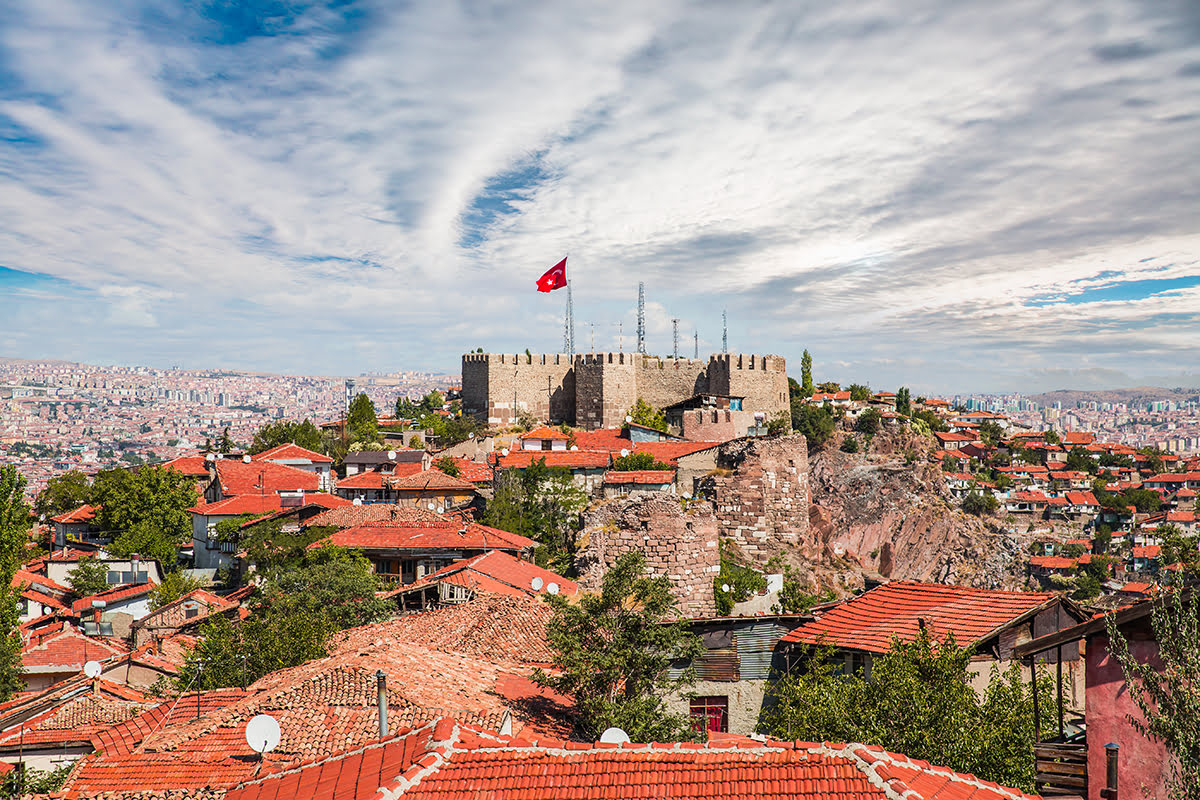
806,380
14,540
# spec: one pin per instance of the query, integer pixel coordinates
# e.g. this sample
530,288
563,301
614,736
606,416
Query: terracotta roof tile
352,515
869,621
291,452
444,533
643,476
433,479
498,572
262,477
85,513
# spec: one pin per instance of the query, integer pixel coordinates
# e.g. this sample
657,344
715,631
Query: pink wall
1143,769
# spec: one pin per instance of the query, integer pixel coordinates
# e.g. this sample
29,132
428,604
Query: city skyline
957,197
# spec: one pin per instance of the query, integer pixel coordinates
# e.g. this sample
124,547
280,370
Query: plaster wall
745,702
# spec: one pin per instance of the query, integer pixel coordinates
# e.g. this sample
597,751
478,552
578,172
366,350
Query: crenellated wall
596,390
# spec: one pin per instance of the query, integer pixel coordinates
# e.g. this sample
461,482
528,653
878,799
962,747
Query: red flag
555,278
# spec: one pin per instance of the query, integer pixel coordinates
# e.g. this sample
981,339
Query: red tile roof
240,505
113,595
610,439
650,476
262,477
1053,562
291,452
668,452
1082,499
1148,551
447,761
195,466
445,533
572,459
498,572
66,651
471,471
85,513
352,515
869,621
74,710
429,480
124,738
373,479
544,432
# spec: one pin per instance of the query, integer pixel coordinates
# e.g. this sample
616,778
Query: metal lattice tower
696,342
675,324
724,333
569,325
641,318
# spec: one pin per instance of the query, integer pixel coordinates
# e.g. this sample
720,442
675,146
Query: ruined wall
760,494
663,381
544,386
682,545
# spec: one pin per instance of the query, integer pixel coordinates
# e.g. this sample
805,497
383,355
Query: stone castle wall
596,390
761,495
682,545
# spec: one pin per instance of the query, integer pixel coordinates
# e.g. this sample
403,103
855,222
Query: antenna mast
724,333
641,318
569,325
696,340
675,325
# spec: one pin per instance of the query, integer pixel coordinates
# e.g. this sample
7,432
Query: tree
1153,459
63,493
645,414
434,401
14,545
613,652
362,424
225,444
917,701
779,424
89,577
903,401
639,461
829,387
979,504
1079,460
406,408
990,432
849,445
1178,548
447,465
815,422
1168,696
1051,437
868,422
860,393
542,503
146,509
174,586
303,434
806,379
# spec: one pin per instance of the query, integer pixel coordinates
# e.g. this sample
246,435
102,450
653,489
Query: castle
596,390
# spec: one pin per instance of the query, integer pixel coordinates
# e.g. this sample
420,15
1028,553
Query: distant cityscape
57,416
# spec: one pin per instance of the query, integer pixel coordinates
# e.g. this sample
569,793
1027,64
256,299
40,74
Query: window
710,714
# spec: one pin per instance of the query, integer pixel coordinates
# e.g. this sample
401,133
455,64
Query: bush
979,504
868,422
849,445
815,422
89,577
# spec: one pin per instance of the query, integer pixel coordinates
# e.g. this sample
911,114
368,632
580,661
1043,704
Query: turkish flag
555,278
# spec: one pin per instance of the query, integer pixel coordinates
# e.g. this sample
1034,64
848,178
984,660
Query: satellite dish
537,583
391,455
441,509
614,736
92,669
724,587
574,447
210,457
628,419
552,588
504,452
624,453
432,506
262,733
470,436
358,501
245,459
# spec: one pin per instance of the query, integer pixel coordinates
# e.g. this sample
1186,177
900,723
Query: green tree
542,503
362,424
448,465
406,408
736,582
860,393
1153,459
1178,548
779,424
806,378
868,422
849,445
89,577
1052,438
1168,695
14,547
990,433
434,401
174,586
979,503
917,701
903,401
931,419
63,493
613,652
815,422
639,461
1080,460
225,444
645,414
829,387
146,509
304,434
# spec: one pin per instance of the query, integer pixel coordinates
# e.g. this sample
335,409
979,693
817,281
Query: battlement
747,361
513,359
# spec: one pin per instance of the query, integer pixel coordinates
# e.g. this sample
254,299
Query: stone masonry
596,390
760,494
682,545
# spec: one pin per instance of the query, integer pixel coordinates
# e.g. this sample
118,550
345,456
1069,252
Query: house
1045,566
708,417
1173,481
53,656
836,399
432,489
212,552
954,441
405,550
1026,503
544,439
731,677
1082,503
398,461
1108,705
39,595
493,572
587,468
120,570
988,621
171,618
241,477
293,455
79,524
618,483
1073,480
112,612
446,758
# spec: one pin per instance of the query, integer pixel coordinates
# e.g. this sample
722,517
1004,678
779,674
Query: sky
945,194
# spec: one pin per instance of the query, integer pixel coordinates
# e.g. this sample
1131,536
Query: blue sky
950,195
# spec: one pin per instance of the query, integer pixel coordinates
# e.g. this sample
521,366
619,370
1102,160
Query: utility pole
675,325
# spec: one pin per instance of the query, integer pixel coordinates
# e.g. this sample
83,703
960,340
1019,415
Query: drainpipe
381,688
1111,751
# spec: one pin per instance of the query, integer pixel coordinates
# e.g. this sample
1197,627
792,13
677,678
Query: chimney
1111,751
381,688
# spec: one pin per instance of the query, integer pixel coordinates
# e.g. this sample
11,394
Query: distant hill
1136,395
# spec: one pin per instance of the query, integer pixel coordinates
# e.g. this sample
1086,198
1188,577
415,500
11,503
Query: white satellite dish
614,736
504,452
552,588
624,453
358,501
391,455
537,583
470,436
210,457
245,459
262,733
628,419
92,669
574,447
432,506
724,587
441,509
